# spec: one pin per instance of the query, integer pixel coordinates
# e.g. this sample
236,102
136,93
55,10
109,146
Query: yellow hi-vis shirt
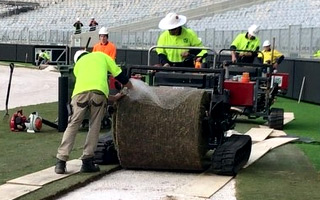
267,56
187,38
91,72
243,43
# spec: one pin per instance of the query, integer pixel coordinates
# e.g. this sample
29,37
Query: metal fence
292,42
295,41
41,37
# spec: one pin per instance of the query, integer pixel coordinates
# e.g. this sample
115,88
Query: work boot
89,166
60,167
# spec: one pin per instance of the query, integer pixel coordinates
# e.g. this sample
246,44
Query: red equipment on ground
17,122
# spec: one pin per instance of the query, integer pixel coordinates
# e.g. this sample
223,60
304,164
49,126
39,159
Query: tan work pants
95,102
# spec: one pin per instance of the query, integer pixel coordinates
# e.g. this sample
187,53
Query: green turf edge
18,64
61,187
284,173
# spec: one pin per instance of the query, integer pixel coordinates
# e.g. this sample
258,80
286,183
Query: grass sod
23,153
58,188
18,64
283,173
306,124
286,172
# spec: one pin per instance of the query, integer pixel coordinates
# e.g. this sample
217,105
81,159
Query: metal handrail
177,47
219,54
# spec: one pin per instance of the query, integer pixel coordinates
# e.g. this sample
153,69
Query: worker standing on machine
267,52
104,45
246,41
176,34
90,93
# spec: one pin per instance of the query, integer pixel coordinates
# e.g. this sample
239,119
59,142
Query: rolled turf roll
149,136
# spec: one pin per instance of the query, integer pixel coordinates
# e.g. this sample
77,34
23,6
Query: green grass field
17,64
290,171
23,153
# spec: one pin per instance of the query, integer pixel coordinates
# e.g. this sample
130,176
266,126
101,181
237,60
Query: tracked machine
254,97
189,135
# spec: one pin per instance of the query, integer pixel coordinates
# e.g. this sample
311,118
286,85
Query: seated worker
43,58
277,57
176,34
104,45
245,41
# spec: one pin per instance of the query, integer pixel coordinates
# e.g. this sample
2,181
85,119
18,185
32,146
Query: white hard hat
78,54
253,30
103,31
266,43
172,21
78,19
92,17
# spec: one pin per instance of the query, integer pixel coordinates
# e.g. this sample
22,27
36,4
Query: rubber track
105,153
232,155
275,119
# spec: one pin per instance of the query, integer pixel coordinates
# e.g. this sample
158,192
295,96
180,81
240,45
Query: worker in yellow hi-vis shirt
90,93
277,57
176,34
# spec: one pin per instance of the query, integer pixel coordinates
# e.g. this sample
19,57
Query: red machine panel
241,93
282,79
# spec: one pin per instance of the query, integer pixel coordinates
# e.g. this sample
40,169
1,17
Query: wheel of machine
232,155
275,118
105,153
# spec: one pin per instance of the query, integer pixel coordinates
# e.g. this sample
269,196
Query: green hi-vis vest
91,72
187,38
243,43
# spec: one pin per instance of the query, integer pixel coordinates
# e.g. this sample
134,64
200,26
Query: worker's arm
255,53
233,54
278,61
113,52
194,51
236,43
115,97
202,55
122,78
163,60
194,42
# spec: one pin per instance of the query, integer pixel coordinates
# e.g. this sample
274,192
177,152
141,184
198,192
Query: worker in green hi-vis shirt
176,34
91,92
246,41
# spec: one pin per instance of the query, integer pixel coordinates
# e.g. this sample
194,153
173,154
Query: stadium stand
133,23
